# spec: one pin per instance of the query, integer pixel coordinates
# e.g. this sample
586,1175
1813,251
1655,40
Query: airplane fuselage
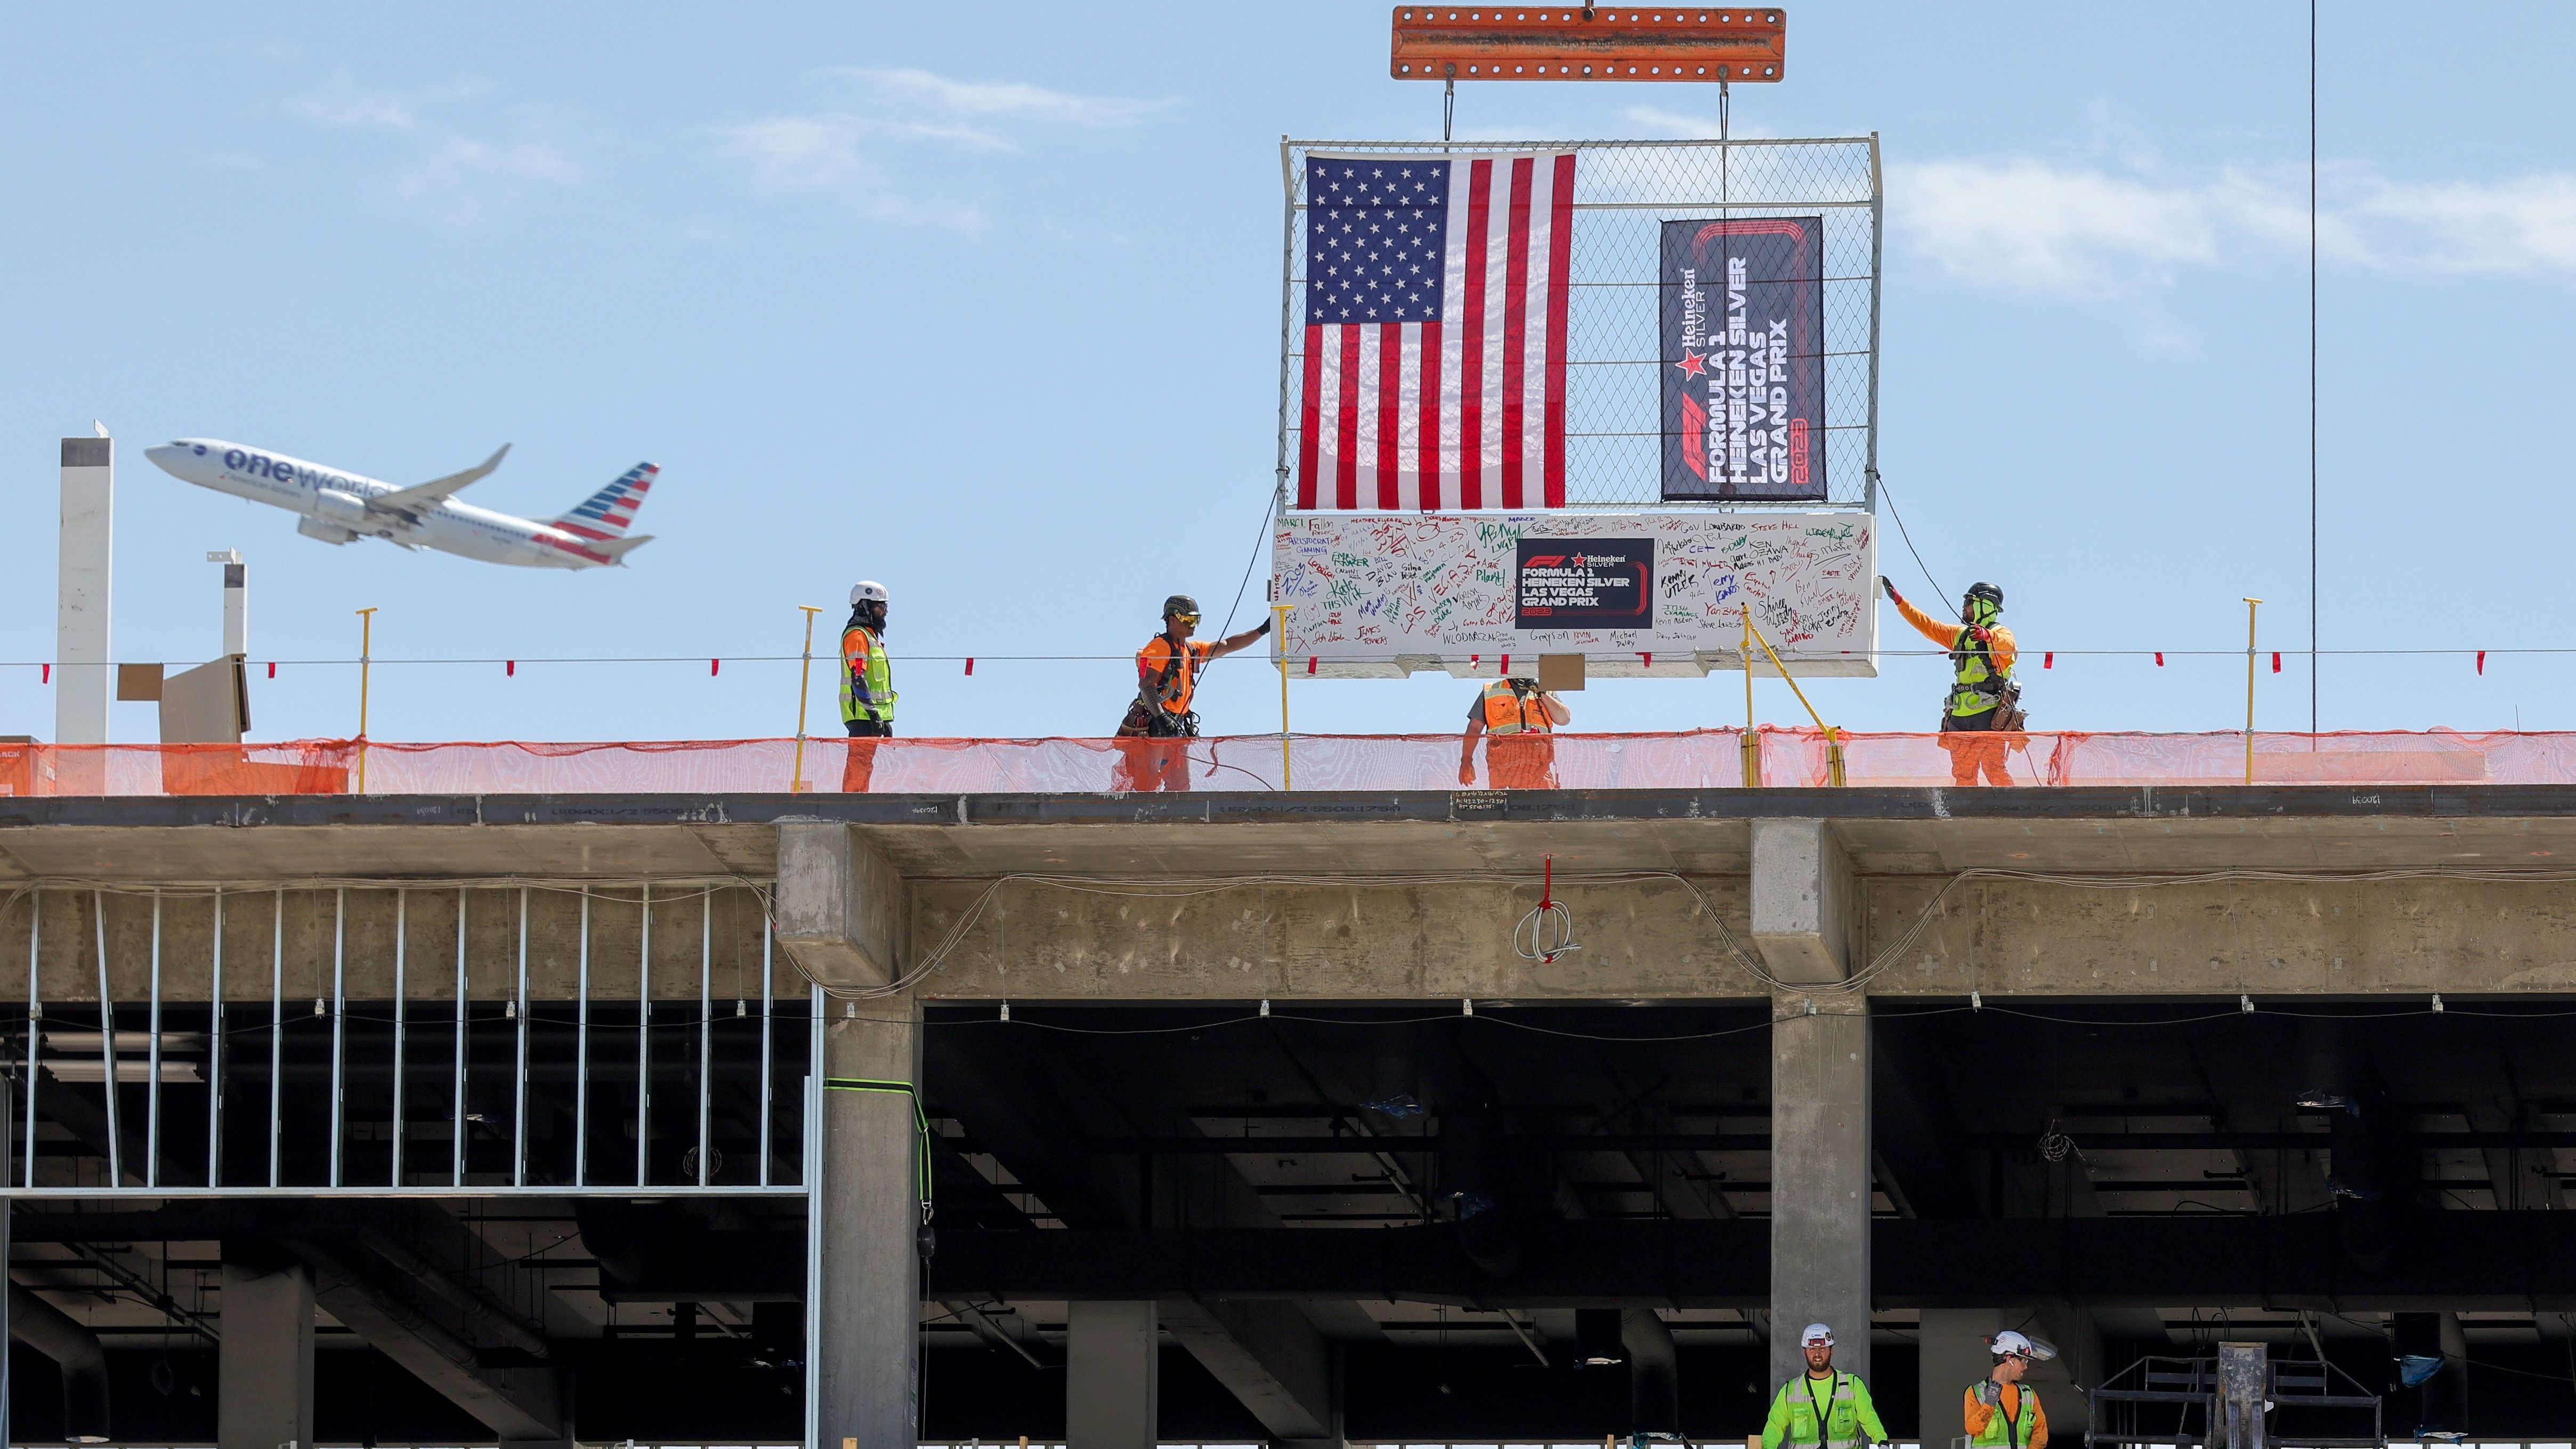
334,506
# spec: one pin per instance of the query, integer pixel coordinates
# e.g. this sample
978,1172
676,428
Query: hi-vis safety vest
864,665
1978,685
2013,1430
1808,1413
1509,712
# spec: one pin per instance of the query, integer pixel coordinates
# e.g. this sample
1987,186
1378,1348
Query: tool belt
1148,720
2005,716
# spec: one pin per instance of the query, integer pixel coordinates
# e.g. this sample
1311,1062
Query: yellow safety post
804,682
1752,743
1833,745
1279,631
2250,605
366,654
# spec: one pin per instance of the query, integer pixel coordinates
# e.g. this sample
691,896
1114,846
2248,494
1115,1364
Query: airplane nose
164,453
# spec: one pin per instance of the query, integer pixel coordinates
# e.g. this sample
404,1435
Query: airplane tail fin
606,514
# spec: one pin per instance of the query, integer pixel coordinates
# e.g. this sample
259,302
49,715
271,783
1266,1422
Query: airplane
338,507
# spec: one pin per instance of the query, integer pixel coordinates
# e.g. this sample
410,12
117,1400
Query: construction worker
1520,717
867,684
2002,1412
1982,714
1822,1408
1167,680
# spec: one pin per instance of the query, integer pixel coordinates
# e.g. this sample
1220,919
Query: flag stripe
1346,481
1308,412
1390,390
1515,328
1426,439
1471,365
1560,272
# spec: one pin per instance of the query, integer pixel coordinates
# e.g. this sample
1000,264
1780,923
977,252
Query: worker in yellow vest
1823,1408
2003,1412
1517,717
867,684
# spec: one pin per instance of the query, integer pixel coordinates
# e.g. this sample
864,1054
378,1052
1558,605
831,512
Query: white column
1112,1390
85,578
264,1370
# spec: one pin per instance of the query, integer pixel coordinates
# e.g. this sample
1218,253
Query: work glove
1889,587
1264,629
1981,634
1990,1393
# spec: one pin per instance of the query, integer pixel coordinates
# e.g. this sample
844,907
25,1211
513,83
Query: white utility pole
86,578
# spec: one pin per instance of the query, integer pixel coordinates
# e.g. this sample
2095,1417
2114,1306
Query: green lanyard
920,1122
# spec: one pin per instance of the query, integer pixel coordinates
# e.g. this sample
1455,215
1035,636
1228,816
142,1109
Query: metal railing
92,1058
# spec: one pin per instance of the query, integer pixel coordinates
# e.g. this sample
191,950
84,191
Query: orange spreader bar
1574,42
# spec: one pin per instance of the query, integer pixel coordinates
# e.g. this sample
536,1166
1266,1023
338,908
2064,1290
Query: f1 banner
1743,332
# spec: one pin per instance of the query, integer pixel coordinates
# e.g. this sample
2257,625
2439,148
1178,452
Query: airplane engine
328,533
347,511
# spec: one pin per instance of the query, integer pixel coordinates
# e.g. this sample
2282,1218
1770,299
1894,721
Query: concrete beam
1267,1355
516,1404
75,1349
1803,899
1329,942
840,906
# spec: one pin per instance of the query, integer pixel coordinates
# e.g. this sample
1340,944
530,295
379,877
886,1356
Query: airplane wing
437,490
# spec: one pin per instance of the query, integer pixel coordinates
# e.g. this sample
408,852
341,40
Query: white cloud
447,167
2028,225
1008,100
851,150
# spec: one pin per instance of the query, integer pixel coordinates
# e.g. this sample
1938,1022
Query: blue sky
982,301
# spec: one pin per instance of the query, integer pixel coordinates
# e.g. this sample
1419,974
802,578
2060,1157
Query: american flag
1435,332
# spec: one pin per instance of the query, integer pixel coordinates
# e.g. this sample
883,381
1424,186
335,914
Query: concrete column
1112,1392
1953,1348
1804,924
264,1371
1820,1178
865,1353
84,585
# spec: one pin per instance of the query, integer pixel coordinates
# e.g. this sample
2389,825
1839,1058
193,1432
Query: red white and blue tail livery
340,507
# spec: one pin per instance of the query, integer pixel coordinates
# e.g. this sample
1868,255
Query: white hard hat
1816,1336
2014,1342
867,590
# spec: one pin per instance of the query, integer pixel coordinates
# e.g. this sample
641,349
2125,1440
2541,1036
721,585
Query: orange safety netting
1685,760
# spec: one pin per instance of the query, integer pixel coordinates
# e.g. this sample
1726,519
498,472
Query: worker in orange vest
1167,681
2001,1411
1518,718
1981,717
867,684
